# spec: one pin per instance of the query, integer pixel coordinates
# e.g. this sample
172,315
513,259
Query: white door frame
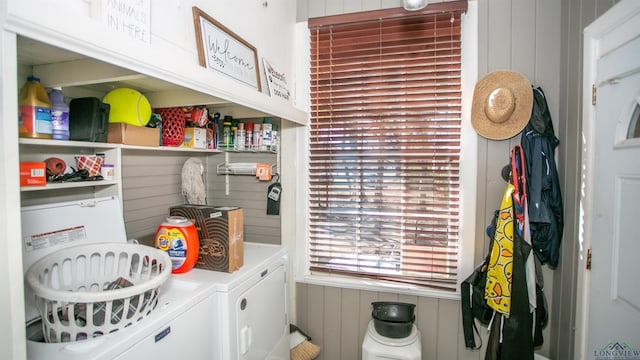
613,29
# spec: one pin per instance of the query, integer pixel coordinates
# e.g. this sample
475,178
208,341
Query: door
615,294
611,221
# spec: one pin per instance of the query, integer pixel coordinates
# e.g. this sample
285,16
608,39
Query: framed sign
222,50
276,81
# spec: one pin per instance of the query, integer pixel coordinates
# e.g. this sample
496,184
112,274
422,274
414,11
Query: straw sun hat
502,103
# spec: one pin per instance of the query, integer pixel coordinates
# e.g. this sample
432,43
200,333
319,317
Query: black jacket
543,187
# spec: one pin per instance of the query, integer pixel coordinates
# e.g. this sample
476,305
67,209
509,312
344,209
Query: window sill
345,282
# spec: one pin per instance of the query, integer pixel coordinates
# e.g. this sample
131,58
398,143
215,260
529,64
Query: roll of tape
55,166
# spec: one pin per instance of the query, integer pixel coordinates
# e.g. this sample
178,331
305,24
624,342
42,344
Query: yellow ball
128,106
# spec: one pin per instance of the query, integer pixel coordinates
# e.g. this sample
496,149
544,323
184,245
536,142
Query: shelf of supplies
226,168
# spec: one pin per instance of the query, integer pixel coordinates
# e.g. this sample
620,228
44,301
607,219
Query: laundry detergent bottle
178,237
59,115
34,115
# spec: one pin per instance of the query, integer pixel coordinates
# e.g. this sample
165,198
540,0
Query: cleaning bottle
59,115
267,129
178,236
34,117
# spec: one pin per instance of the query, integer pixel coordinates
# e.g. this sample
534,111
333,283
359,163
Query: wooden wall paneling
481,244
386,4
449,320
351,6
334,7
499,51
364,315
548,38
371,5
316,8
524,22
331,337
499,45
387,296
151,184
302,10
351,341
427,317
301,308
315,316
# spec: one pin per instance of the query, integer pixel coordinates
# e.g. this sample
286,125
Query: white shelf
101,145
67,144
69,185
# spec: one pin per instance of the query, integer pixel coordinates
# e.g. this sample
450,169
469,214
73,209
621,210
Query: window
385,144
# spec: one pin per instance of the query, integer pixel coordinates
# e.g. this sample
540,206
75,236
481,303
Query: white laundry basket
90,290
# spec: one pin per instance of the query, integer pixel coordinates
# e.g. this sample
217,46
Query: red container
179,238
173,123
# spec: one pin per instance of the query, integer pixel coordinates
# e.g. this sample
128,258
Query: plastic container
240,138
248,145
274,138
107,171
178,237
393,330
393,311
34,117
173,123
267,129
257,137
226,134
59,115
90,290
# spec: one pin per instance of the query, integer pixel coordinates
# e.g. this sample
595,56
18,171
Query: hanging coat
543,187
514,334
511,337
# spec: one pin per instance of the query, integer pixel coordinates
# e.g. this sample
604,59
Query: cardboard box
195,138
122,133
33,174
221,235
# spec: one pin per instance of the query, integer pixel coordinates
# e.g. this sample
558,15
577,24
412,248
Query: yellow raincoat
500,272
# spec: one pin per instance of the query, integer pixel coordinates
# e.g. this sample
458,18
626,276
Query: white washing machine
200,314
378,347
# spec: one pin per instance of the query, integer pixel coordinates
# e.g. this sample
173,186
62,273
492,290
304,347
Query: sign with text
129,17
276,81
222,50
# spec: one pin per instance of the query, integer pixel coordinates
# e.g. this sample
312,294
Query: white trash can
376,346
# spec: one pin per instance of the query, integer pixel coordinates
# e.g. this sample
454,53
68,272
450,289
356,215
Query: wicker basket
90,290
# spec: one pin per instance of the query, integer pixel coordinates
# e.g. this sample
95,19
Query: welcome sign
222,50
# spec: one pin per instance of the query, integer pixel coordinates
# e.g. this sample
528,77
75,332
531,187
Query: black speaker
88,119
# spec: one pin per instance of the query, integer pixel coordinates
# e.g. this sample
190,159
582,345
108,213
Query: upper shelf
101,145
82,76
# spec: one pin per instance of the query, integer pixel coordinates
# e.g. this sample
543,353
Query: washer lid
51,227
413,336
